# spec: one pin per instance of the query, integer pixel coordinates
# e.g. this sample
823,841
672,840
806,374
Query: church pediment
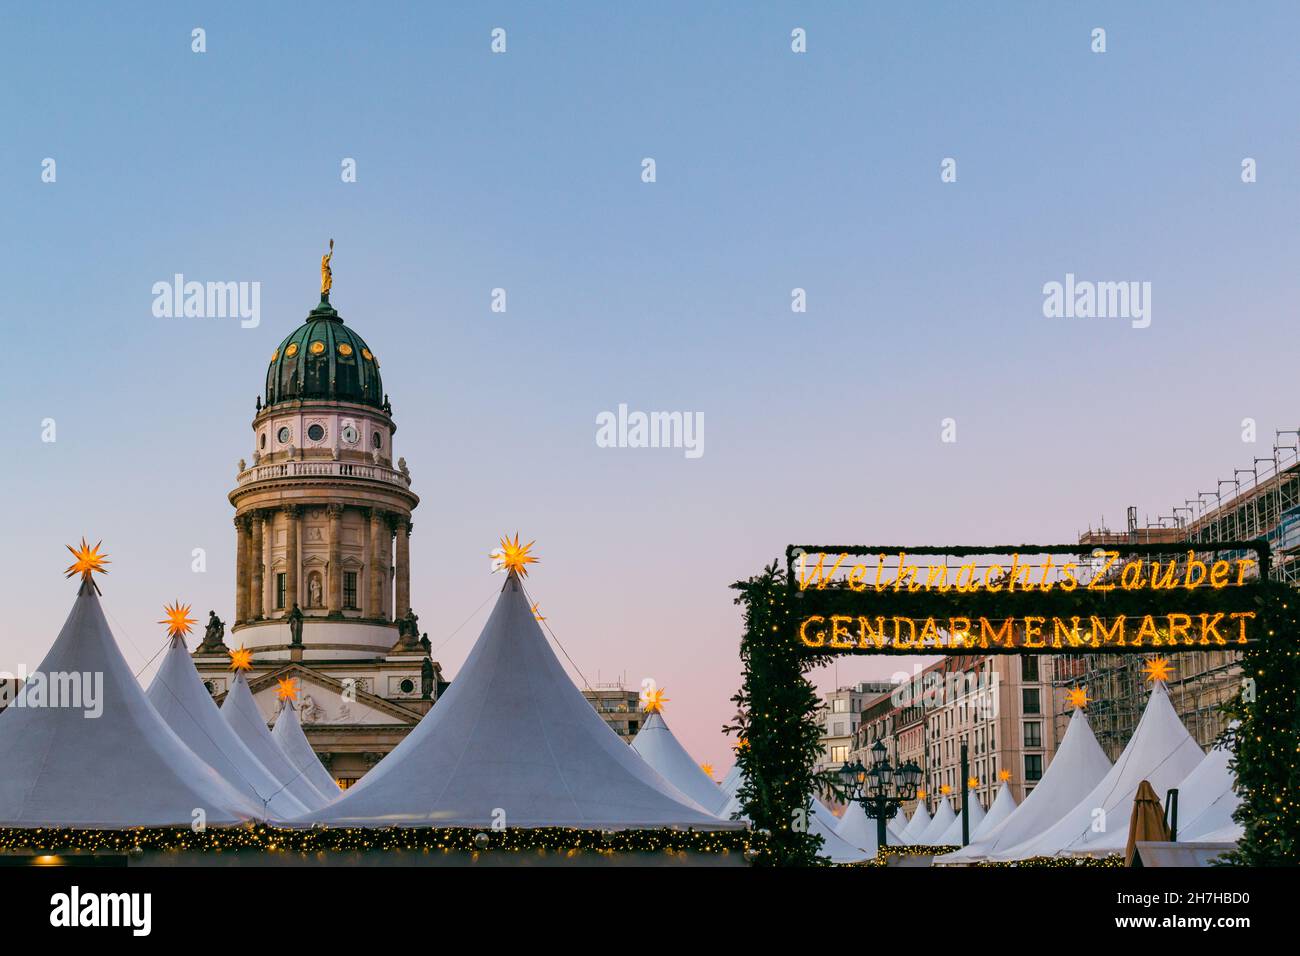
324,700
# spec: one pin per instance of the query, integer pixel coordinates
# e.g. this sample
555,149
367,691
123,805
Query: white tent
1004,804
731,782
1207,800
839,850
1160,751
859,829
919,823
288,735
105,760
939,824
952,836
178,694
658,747
1077,767
895,827
513,740
240,711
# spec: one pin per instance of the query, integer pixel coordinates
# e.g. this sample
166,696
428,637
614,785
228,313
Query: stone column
335,599
290,557
375,567
257,583
241,569
402,569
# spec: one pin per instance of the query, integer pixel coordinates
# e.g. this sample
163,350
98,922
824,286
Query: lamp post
880,788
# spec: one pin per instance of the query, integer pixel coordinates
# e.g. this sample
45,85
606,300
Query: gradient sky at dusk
522,171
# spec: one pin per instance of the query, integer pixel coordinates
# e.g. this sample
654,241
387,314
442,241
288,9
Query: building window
1029,668
840,753
350,590
1033,766
840,705
1033,733
1029,697
279,591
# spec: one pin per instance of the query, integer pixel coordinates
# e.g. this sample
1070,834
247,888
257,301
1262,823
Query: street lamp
880,788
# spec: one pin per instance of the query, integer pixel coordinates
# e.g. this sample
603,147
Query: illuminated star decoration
653,700
1004,775
708,769
287,688
512,556
1156,668
972,783
177,618
88,561
1077,697
921,794
945,790
537,615
241,659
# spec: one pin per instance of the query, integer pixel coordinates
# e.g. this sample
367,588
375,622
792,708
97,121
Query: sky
523,171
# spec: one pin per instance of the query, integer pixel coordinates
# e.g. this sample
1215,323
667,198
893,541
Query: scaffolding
1262,501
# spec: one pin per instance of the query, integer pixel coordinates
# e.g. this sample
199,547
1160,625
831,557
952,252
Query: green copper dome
324,359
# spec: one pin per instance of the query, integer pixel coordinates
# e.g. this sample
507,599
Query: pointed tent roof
731,782
658,747
123,768
952,836
919,823
939,824
512,732
289,736
839,850
1077,767
859,829
1160,751
1207,799
178,694
1004,804
240,711
895,827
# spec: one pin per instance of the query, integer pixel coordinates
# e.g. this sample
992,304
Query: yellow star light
945,790
653,700
513,556
1004,775
921,794
972,782
88,561
241,659
1077,697
537,615
177,618
1156,668
287,688
741,744
708,769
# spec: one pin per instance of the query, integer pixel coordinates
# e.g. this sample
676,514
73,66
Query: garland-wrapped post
1266,743
780,738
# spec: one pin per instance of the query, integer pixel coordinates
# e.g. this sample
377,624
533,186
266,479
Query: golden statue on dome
326,275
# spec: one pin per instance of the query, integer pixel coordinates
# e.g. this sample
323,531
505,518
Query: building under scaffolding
1262,501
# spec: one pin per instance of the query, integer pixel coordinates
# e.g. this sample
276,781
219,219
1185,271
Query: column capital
291,510
335,511
243,523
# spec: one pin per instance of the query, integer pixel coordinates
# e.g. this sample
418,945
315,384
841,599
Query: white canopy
658,747
952,836
859,829
919,823
1207,800
240,711
1077,767
731,782
839,850
939,824
1004,804
178,694
895,827
105,760
1160,751
513,740
288,735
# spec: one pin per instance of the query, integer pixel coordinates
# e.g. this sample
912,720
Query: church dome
325,360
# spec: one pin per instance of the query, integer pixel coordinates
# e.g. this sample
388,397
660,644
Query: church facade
322,531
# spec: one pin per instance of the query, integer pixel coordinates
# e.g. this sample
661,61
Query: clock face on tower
284,435
349,433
